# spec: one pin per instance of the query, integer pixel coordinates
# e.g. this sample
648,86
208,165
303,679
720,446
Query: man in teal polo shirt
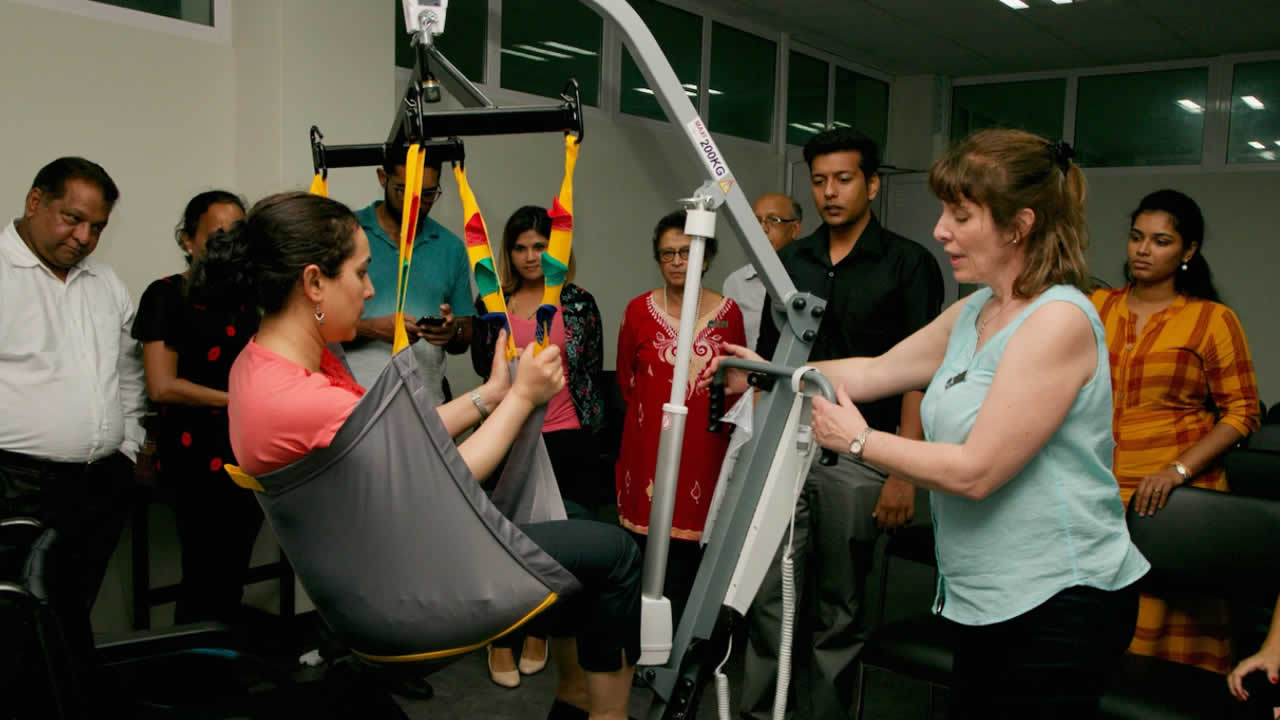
439,284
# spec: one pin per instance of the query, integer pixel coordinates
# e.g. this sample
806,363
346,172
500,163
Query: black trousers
87,504
218,523
604,616
1263,697
1050,662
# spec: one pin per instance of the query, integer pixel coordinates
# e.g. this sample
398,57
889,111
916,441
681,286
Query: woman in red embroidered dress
646,364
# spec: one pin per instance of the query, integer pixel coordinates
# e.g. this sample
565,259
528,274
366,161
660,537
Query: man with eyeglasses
880,287
438,307
780,217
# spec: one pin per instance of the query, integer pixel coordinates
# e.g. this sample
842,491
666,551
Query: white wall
154,109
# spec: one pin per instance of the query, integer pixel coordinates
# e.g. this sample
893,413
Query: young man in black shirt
880,287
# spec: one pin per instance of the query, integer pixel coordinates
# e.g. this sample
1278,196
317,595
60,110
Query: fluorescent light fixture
1015,4
1278,143
837,123
820,126
714,91
1190,106
644,90
544,51
691,93
1061,2
1257,145
569,48
803,127
1267,155
689,86
1252,101
525,55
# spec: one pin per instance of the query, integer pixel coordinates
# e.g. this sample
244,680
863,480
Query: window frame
1213,148
219,33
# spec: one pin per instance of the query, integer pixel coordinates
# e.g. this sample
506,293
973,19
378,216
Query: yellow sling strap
476,237
408,231
555,261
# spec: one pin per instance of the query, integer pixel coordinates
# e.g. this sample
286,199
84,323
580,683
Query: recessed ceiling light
568,48
1252,101
543,51
1190,106
1015,4
525,55
1257,145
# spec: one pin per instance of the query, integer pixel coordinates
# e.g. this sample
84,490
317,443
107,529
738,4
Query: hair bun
1062,152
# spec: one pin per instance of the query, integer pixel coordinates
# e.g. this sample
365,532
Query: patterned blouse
1188,370
584,352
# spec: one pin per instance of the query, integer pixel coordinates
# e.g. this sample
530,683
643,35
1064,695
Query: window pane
743,69
680,35
806,98
463,41
194,11
1255,113
1035,106
546,42
862,103
1152,118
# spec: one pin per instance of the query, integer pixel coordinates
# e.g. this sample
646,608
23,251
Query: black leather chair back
1209,541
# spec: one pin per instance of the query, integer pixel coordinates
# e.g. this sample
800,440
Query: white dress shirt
71,383
747,289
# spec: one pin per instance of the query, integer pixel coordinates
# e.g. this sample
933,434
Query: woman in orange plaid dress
1184,393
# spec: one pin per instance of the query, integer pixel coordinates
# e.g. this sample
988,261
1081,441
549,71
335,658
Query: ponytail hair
260,260
1008,170
1197,280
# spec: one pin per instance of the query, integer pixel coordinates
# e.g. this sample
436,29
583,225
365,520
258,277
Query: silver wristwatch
859,443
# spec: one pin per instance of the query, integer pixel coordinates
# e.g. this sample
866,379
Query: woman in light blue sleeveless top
1036,565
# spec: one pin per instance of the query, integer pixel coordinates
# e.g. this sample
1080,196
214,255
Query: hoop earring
319,315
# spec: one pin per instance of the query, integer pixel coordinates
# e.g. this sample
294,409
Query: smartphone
431,321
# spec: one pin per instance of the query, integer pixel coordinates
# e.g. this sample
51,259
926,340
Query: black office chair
198,670
1208,542
918,646
1254,469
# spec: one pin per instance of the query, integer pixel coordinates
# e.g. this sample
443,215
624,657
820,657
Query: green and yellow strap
555,261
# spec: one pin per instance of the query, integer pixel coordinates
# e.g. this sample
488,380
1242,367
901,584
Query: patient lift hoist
758,501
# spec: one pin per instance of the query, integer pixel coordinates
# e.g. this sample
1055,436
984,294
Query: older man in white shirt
780,216
71,381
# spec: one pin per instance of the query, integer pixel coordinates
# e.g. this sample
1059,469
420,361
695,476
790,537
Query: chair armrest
143,644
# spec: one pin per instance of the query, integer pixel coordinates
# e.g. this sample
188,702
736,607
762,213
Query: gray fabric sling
396,543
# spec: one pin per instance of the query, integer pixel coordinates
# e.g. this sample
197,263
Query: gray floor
463,690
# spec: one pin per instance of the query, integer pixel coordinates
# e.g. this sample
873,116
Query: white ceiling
984,37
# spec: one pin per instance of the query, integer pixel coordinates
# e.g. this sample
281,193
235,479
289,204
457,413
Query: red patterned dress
646,364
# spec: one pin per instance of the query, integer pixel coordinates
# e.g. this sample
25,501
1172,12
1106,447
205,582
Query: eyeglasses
428,193
773,221
669,255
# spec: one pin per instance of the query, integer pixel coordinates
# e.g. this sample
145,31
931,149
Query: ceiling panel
984,37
